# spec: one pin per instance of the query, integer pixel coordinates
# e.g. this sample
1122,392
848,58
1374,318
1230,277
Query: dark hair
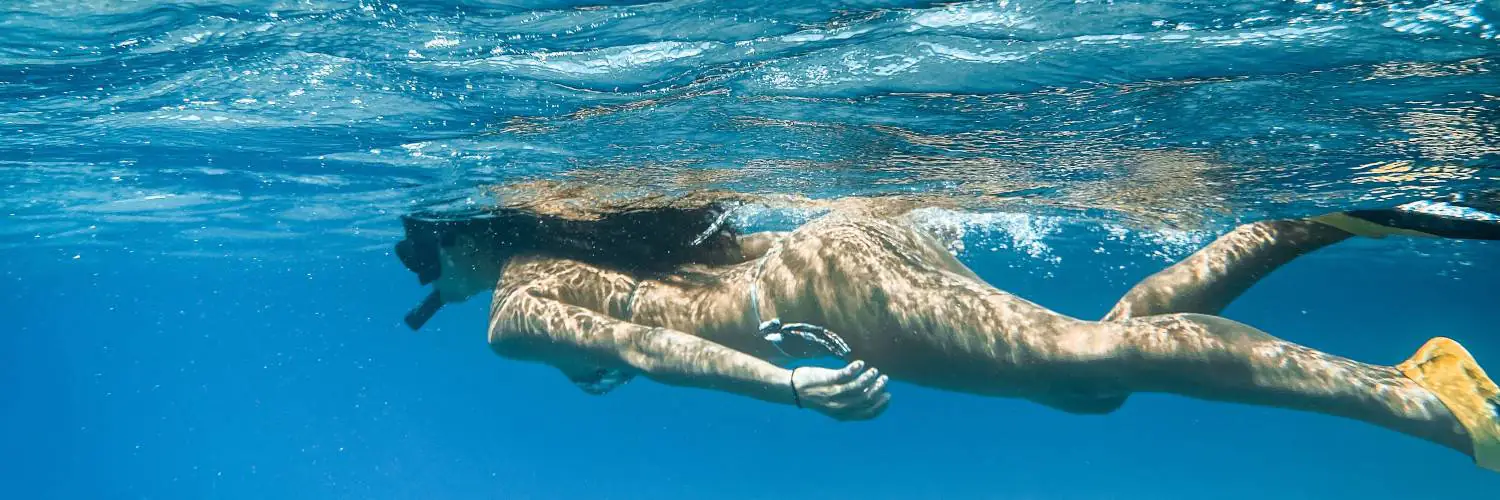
649,235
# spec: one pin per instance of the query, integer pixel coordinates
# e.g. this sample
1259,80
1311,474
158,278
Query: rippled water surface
236,124
200,198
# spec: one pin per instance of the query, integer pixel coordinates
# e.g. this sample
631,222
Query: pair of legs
1179,347
1163,337
921,316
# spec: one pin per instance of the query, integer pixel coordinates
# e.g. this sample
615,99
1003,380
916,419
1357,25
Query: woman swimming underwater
664,288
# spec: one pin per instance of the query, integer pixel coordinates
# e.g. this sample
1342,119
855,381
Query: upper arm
526,326
524,323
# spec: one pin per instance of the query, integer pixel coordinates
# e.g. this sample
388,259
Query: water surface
200,199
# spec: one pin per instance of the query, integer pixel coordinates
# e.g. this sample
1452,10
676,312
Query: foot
1446,368
1462,217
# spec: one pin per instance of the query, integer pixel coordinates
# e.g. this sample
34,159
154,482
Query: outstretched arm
526,325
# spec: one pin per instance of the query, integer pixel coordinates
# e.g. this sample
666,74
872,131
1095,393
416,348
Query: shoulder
564,280
530,283
527,269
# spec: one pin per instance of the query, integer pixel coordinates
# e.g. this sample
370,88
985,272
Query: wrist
774,385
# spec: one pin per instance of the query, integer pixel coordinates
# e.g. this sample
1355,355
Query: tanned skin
908,307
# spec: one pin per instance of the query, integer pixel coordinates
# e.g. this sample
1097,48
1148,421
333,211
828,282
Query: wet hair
650,235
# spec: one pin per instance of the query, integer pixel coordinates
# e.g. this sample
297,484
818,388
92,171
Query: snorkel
462,252
419,315
419,253
424,251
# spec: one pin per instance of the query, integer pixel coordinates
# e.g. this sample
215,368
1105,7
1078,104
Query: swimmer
665,289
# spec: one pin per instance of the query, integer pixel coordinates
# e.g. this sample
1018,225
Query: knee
1146,299
1199,330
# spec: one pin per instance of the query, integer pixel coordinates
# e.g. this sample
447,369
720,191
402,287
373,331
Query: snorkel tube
419,315
419,253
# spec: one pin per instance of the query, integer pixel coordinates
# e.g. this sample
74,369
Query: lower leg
1208,357
1211,278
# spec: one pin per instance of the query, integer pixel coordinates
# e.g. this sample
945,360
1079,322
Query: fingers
849,372
813,381
864,399
866,409
881,403
864,381
879,386
859,387
855,392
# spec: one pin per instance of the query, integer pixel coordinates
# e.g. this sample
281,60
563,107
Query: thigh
855,275
906,305
864,246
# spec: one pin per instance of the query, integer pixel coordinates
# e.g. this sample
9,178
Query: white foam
969,15
821,35
440,42
988,56
1026,232
605,61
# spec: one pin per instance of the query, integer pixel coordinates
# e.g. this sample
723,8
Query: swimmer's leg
1214,276
1210,279
1440,395
866,278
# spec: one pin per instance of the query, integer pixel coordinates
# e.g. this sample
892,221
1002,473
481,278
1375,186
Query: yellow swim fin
1450,372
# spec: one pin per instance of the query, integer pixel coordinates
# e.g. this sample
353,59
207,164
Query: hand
855,392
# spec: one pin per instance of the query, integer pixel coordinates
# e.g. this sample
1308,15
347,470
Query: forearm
676,358
667,356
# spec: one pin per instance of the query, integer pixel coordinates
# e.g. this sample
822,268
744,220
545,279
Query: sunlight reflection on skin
908,307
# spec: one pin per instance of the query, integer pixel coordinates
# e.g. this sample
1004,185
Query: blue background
199,197
132,377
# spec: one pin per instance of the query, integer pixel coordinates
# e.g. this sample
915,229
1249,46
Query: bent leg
1211,278
1209,357
1214,276
902,305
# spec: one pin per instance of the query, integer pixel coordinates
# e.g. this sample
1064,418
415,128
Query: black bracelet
796,399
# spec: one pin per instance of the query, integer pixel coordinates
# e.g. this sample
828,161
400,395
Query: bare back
902,303
899,299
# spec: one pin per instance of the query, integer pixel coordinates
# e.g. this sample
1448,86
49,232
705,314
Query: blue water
200,199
